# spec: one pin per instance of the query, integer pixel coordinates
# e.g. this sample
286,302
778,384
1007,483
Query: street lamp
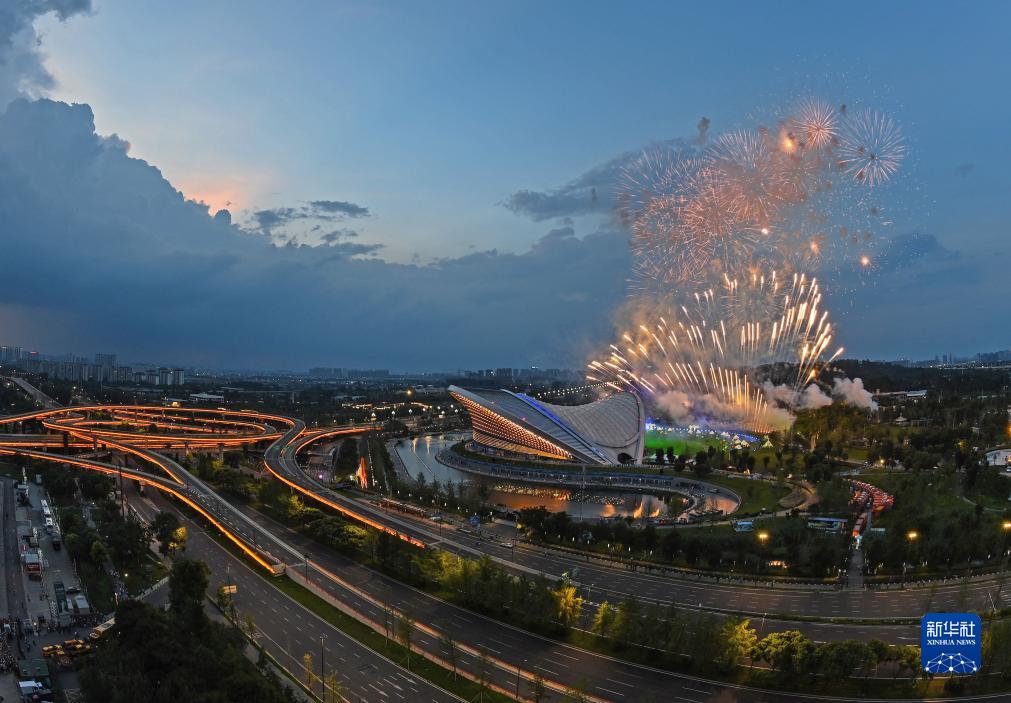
322,662
911,537
1007,529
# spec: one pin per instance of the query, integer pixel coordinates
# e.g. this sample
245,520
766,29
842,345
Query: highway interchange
288,630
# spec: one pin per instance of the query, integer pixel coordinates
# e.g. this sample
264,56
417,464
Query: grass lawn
754,494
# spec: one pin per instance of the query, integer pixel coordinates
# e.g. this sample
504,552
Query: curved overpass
79,432
251,532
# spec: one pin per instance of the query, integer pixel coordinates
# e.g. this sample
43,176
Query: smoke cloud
705,409
854,393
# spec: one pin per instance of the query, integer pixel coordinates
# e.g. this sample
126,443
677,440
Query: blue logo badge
950,643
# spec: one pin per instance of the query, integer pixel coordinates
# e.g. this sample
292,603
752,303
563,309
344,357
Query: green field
679,442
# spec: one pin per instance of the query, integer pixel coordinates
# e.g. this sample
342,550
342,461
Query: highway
513,655
287,630
603,580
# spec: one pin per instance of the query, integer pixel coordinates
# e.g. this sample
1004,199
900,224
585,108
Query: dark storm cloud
109,248
21,69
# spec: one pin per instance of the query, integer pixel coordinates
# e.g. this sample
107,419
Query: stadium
605,432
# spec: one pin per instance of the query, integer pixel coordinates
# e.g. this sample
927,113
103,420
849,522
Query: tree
538,691
577,693
98,552
178,541
405,634
603,621
737,640
483,672
670,544
188,582
789,651
162,527
307,669
450,649
570,606
333,689
207,665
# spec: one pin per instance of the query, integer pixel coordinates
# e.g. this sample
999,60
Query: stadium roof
594,433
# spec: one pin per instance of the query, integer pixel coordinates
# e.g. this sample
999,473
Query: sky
408,184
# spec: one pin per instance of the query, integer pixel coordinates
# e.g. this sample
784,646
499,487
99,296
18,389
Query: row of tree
179,655
807,552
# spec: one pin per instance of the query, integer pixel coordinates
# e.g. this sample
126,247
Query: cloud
590,193
337,235
131,265
339,207
22,72
274,222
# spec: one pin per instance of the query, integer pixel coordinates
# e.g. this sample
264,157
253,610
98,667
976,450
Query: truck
57,540
60,594
38,479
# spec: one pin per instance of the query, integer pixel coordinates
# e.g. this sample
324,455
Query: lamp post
1006,525
911,537
322,664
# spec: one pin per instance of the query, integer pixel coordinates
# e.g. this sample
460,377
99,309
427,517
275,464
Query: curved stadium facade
594,433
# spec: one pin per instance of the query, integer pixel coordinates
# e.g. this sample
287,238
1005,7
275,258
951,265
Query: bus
100,630
46,512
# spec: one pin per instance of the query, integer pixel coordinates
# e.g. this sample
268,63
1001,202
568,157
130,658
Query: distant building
206,398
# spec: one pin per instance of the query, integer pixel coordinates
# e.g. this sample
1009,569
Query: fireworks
817,125
722,236
751,197
871,147
703,350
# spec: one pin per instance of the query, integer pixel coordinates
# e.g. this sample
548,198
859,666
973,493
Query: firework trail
704,349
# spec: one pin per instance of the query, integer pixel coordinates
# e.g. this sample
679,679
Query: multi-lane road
512,656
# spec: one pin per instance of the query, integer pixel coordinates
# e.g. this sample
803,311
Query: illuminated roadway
513,654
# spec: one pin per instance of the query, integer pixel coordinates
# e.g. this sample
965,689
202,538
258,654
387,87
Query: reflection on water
419,454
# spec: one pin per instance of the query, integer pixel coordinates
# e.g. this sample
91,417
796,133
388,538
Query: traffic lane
288,630
599,675
620,582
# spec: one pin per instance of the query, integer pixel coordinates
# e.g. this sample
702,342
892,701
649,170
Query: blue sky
432,115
